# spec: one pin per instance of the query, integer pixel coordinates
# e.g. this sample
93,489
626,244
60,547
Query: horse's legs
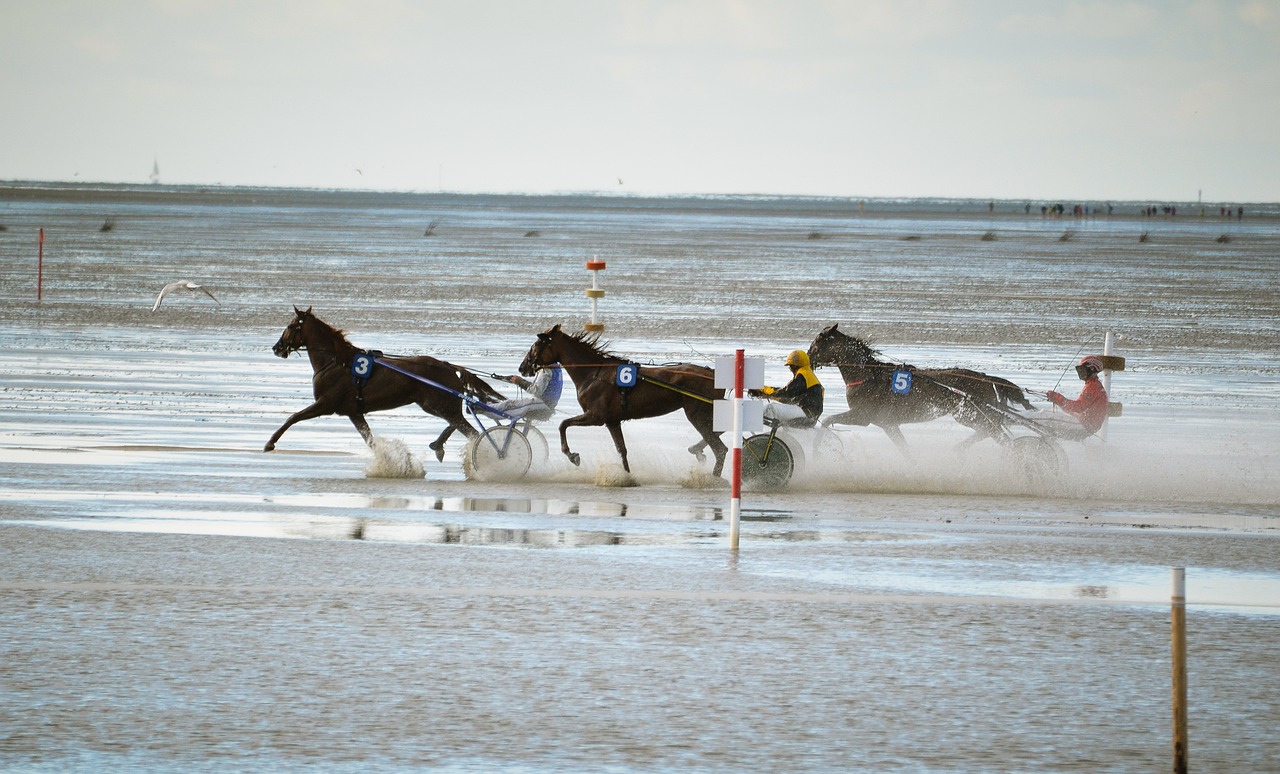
310,412
615,429
895,435
458,422
978,435
574,457
363,428
437,445
702,422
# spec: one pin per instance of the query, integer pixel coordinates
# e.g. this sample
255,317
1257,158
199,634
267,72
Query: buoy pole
1178,626
595,293
735,493
40,269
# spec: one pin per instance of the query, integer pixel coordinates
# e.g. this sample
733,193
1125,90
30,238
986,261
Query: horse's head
294,336
834,347
542,353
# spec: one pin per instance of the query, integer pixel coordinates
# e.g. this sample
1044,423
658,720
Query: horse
337,391
959,392
656,390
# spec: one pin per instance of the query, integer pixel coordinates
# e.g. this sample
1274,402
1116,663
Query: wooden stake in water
1178,626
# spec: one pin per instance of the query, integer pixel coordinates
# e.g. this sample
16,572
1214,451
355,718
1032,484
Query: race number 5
901,382
628,375
361,366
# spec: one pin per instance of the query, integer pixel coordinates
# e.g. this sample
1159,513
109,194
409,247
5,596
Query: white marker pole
1108,348
735,502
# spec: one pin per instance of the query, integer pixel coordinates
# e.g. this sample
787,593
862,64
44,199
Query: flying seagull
181,285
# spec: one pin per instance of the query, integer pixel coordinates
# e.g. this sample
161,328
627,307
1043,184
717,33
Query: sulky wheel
537,442
1035,459
498,454
766,464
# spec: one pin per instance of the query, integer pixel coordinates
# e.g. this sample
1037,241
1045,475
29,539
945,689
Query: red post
40,269
738,367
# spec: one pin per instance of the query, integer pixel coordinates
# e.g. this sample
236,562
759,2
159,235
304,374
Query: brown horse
958,392
657,390
337,391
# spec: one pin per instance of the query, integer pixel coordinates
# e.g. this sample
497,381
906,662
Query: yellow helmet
798,358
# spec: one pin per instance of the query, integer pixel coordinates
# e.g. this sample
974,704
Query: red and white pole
40,269
735,502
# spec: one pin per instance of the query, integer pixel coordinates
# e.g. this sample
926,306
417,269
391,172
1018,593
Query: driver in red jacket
1090,409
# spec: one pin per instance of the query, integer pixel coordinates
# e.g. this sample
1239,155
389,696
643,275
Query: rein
674,388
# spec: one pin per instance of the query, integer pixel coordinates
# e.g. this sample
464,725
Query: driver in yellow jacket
801,399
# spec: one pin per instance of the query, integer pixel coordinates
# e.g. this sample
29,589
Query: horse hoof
438,448
575,459
269,447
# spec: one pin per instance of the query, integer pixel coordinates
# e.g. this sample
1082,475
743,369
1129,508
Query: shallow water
176,599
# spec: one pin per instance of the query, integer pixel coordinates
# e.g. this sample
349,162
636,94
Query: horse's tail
476,386
995,390
1007,392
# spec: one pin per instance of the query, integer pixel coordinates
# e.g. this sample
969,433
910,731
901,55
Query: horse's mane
339,336
863,347
591,340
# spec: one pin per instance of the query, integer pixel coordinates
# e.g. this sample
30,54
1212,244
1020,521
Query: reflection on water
549,507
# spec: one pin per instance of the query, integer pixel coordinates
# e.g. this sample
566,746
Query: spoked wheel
498,454
537,442
827,444
767,463
1036,460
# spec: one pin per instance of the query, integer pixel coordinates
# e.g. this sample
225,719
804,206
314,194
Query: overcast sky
1150,99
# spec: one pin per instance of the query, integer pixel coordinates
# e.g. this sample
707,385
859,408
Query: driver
1083,416
800,402
542,394
1090,408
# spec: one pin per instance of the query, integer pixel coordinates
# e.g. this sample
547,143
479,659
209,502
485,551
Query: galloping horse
338,392
657,390
934,393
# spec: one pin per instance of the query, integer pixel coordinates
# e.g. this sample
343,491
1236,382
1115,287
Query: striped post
595,293
735,501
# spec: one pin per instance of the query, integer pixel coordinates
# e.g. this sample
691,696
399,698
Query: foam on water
392,459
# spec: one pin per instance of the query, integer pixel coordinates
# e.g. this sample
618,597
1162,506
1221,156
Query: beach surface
176,599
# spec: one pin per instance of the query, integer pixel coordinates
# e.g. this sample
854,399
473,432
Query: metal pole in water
735,502
1178,626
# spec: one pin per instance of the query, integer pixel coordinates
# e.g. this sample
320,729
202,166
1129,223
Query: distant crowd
1150,211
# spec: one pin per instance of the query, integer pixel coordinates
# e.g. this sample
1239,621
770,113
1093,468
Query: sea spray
392,459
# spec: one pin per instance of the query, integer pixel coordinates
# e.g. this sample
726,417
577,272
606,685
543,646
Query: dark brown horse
338,392
657,390
958,392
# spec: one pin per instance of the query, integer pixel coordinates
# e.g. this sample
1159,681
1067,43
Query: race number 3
901,382
628,375
361,366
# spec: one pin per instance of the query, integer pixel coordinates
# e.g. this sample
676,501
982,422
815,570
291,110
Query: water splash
392,459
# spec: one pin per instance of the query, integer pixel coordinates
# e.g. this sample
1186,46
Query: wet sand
175,599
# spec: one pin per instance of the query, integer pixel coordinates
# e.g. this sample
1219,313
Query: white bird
182,285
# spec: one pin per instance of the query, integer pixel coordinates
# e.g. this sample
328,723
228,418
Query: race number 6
628,375
901,382
361,366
